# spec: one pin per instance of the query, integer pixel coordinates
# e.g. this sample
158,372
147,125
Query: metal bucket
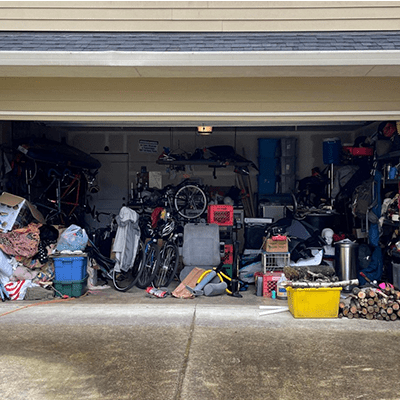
346,256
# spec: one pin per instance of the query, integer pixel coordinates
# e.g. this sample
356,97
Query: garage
268,131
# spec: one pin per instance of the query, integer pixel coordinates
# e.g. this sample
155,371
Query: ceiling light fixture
204,130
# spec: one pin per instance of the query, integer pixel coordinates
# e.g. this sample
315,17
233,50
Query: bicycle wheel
169,261
190,201
123,281
150,265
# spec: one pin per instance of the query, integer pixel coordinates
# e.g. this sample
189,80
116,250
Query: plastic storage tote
70,268
71,288
314,302
268,147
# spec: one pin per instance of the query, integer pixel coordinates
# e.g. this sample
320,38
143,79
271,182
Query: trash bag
73,238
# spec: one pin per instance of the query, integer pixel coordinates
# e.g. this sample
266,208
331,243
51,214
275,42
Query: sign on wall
148,146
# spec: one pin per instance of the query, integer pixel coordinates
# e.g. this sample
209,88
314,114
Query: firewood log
371,301
308,284
393,317
364,311
380,293
363,302
353,309
361,295
355,290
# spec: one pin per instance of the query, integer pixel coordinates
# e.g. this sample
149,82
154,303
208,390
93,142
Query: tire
150,266
123,281
169,262
190,201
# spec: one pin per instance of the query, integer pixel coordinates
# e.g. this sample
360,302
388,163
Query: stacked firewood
371,303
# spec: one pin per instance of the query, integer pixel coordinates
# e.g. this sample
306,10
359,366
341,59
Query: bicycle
61,202
125,280
188,199
121,280
169,253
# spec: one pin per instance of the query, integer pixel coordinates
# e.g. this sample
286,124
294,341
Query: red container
228,254
359,151
220,215
270,280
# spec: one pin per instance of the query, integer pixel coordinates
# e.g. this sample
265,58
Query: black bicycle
101,244
125,280
188,199
168,231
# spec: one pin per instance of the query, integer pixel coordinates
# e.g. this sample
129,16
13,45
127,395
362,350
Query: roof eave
261,63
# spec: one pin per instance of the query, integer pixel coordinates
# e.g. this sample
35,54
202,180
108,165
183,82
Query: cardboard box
181,291
276,246
16,212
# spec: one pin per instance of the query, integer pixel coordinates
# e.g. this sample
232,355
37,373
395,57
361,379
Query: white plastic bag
72,239
246,274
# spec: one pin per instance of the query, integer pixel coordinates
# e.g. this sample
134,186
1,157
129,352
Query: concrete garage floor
110,345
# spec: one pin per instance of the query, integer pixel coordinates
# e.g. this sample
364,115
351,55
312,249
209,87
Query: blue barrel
331,151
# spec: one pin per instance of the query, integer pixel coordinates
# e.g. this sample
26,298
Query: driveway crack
182,372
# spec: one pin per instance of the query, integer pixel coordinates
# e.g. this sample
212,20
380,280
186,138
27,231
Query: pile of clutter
25,266
27,245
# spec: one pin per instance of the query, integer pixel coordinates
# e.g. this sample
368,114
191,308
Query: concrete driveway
110,345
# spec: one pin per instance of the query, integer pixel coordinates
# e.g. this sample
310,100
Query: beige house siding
247,99
204,16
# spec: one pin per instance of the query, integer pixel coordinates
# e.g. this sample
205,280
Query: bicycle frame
62,197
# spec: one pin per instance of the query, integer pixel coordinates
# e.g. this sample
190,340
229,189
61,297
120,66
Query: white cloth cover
126,239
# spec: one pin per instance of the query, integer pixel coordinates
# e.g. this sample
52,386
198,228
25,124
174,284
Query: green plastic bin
71,288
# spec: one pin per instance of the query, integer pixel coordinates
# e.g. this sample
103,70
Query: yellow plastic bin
314,302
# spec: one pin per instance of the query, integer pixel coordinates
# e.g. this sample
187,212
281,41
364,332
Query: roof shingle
199,42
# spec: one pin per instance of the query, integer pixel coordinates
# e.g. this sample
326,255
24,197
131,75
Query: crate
73,288
227,258
220,215
228,269
314,302
270,280
70,268
274,261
